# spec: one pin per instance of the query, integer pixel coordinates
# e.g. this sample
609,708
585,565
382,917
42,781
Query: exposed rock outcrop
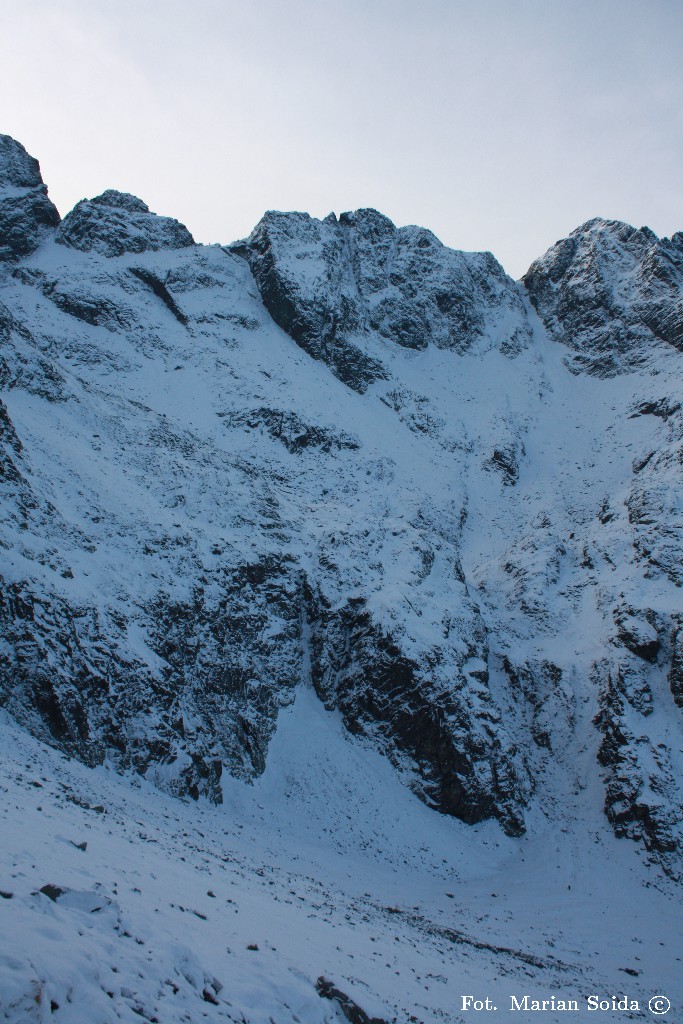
332,284
116,223
641,799
637,630
676,670
211,700
444,732
26,213
351,1010
610,292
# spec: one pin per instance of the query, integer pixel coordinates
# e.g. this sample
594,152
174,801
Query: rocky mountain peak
340,286
115,223
116,200
25,210
17,168
602,228
612,293
368,222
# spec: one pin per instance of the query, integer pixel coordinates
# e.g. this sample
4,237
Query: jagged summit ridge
332,283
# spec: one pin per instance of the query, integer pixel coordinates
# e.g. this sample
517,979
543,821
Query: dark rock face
639,779
653,501
87,305
116,223
214,702
8,434
637,630
663,408
46,678
329,282
26,213
610,292
676,670
160,289
35,374
458,762
505,460
291,431
351,1010
53,892
17,168
548,698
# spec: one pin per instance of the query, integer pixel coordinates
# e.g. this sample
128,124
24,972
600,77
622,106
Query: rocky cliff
339,455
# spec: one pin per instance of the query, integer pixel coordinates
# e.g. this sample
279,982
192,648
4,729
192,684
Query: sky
500,125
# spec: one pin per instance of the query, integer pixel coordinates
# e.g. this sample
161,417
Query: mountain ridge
338,452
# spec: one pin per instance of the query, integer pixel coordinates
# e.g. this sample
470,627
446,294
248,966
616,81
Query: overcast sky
499,124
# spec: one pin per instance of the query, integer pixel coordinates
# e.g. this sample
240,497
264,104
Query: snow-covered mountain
302,524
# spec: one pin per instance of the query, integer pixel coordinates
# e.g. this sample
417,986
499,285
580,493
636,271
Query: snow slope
332,869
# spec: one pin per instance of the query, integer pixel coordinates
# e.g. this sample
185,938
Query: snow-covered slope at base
332,869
